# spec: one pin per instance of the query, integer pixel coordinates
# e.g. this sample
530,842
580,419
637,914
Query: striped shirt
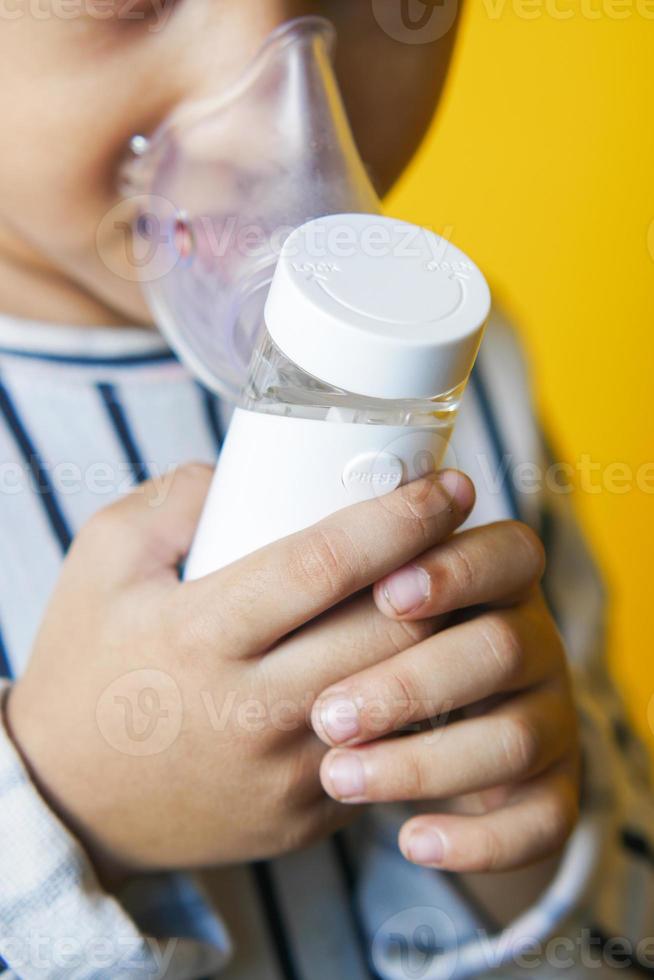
85,413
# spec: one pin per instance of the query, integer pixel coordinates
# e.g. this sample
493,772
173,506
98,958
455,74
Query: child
243,723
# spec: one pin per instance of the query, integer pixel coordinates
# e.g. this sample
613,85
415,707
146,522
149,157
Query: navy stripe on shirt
211,411
5,666
610,952
274,919
485,405
116,413
547,539
499,448
81,360
28,451
348,875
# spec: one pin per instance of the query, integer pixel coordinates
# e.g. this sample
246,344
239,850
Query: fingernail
346,776
458,488
407,589
339,718
426,847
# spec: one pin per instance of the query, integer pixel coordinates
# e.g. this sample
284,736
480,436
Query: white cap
377,306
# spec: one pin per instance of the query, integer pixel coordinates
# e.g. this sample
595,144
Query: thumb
149,531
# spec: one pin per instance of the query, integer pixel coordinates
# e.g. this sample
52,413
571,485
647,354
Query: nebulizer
343,338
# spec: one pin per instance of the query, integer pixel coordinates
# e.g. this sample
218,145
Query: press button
373,473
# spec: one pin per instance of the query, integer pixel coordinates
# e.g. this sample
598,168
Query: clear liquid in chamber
277,386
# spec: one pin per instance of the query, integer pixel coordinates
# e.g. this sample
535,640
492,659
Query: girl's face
79,77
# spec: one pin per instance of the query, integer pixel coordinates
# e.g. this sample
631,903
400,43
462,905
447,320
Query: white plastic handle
277,475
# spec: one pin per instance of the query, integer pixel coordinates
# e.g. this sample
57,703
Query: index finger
264,596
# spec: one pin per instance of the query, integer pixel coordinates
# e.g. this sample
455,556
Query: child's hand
505,768
168,722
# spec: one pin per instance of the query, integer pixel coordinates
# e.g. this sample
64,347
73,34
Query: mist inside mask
222,183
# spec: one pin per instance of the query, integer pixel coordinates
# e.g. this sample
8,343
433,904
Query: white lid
377,306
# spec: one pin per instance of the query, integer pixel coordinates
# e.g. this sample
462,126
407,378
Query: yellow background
541,165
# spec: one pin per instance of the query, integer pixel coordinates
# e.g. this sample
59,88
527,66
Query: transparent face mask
222,183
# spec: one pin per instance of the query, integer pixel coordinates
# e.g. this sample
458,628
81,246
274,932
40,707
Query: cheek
58,206
66,209
62,200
